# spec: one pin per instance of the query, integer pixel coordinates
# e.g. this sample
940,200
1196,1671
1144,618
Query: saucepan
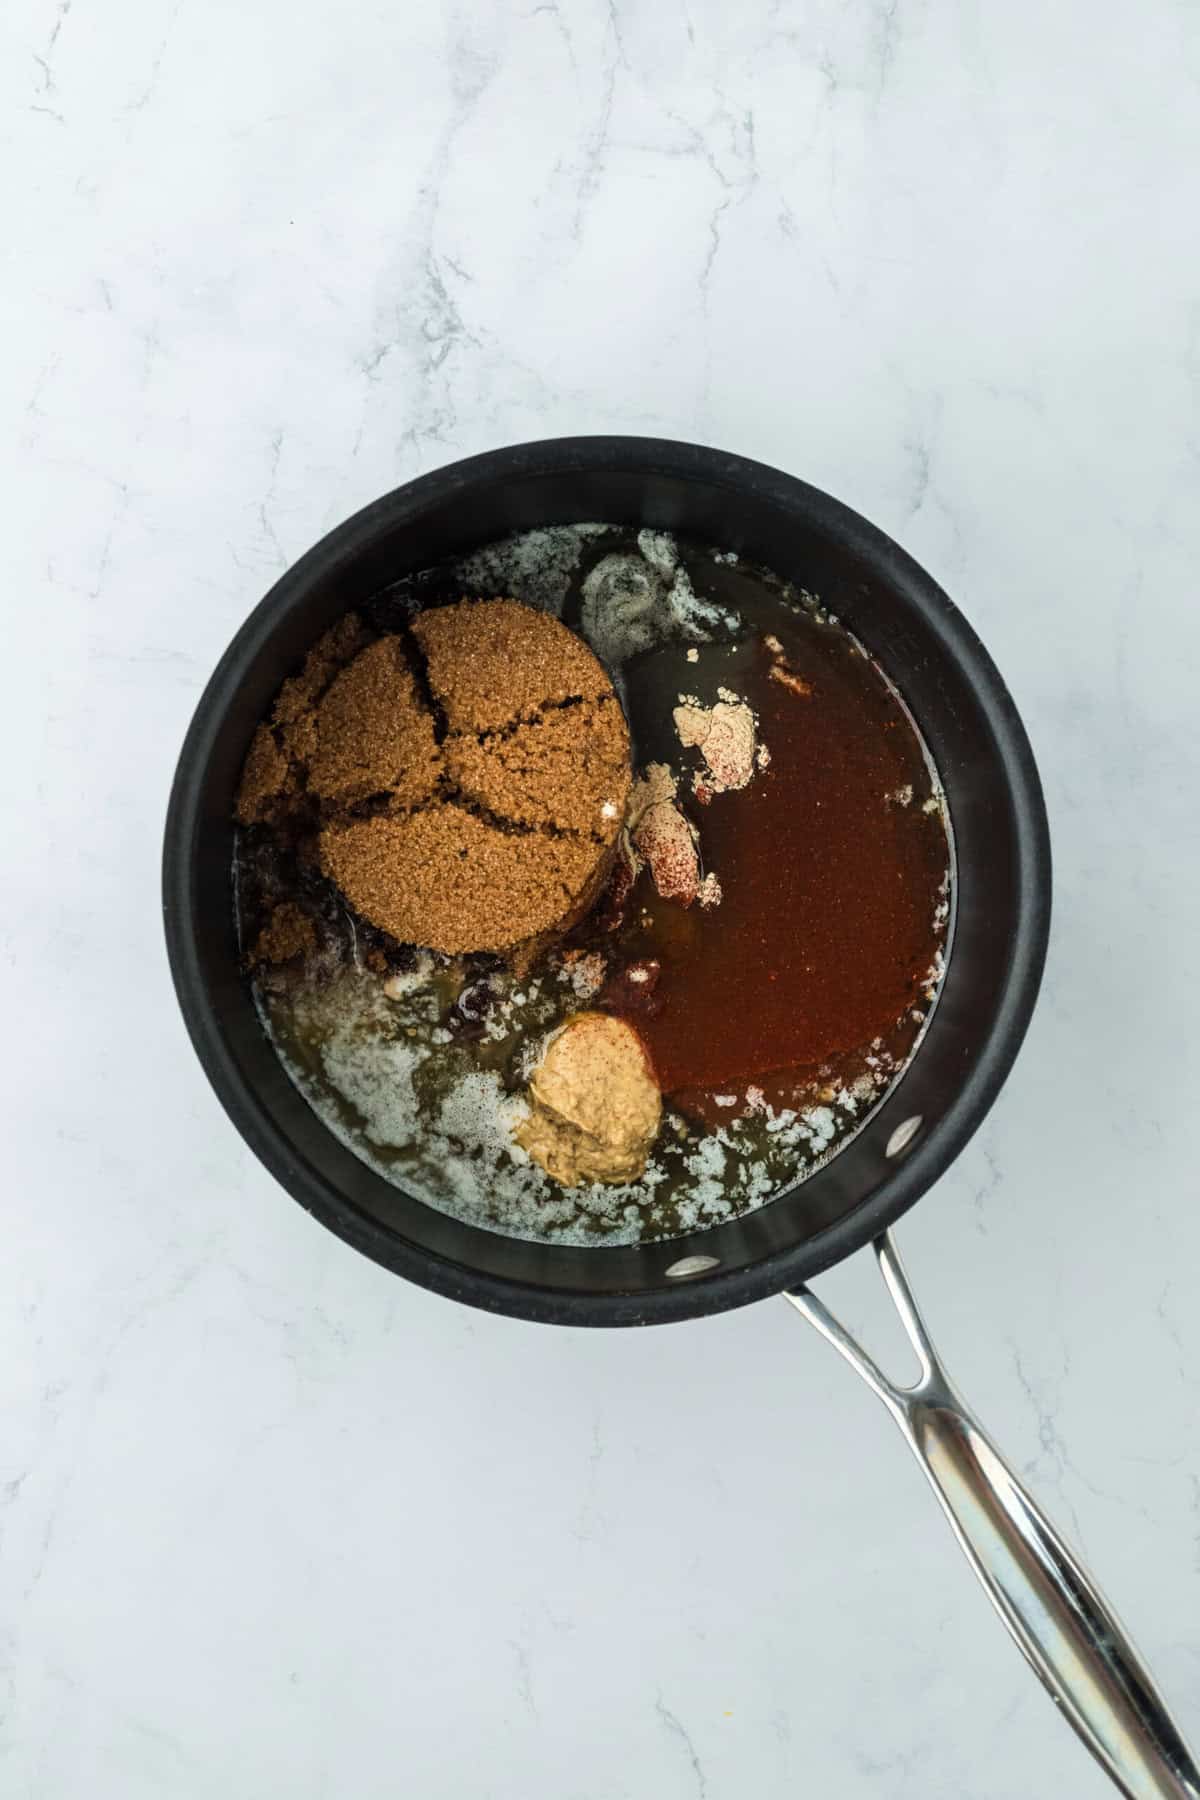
1001,915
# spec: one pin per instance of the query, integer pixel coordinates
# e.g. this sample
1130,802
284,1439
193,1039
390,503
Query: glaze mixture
655,976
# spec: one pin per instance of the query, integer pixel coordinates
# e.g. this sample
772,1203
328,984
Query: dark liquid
823,938
832,862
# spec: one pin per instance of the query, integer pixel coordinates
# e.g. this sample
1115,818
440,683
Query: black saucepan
1000,925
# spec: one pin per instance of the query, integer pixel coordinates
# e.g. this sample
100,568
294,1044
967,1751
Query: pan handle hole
903,1136
687,1266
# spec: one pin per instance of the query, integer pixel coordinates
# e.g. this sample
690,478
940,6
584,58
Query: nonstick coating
955,693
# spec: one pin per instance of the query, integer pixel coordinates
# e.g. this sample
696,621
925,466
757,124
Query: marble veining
270,1521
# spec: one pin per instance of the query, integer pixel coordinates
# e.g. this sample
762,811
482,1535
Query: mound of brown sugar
446,879
559,770
374,735
266,779
288,933
273,775
470,785
494,662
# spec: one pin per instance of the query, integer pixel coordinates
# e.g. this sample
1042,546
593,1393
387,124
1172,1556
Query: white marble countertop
275,1523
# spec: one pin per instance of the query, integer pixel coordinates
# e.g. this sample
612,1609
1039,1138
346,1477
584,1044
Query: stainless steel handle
1049,1602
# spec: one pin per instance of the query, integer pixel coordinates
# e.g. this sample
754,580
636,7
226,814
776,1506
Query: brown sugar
288,933
493,662
373,733
480,828
450,881
282,745
568,769
300,693
265,775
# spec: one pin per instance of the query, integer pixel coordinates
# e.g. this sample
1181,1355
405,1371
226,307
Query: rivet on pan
692,1265
903,1135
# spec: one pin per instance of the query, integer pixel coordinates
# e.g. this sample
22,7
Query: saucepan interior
1002,875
